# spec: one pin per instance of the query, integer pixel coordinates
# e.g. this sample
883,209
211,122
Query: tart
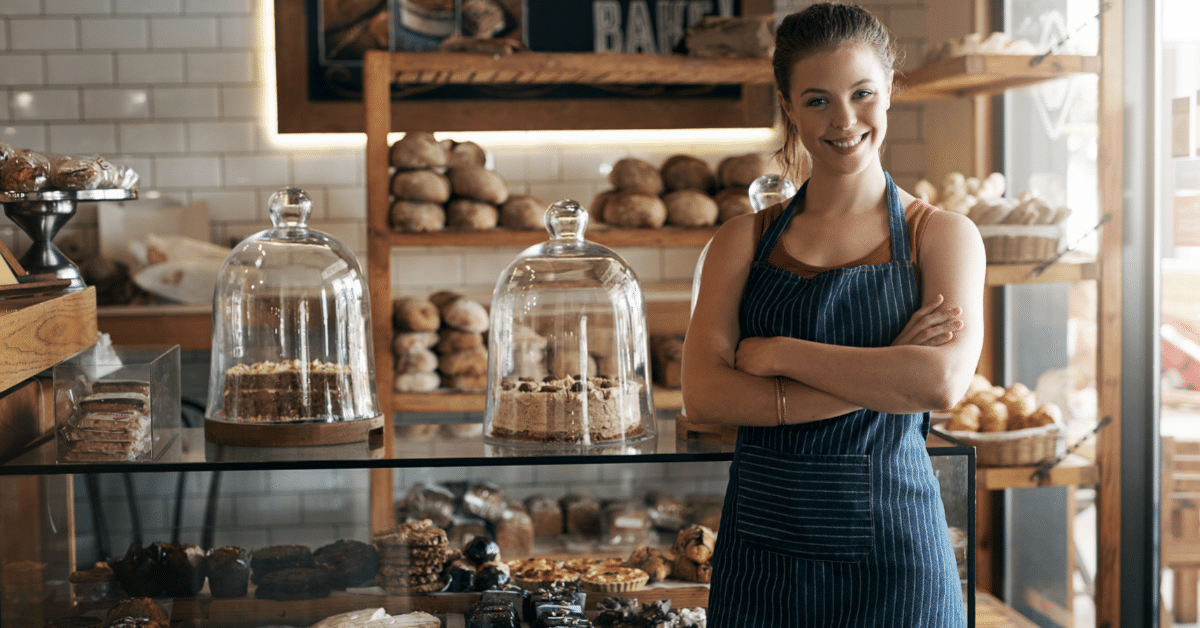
609,579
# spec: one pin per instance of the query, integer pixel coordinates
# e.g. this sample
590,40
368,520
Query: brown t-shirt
917,215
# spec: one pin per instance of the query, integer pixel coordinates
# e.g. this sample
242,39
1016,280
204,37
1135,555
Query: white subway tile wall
175,89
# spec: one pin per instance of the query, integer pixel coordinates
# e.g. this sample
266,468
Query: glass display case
568,348
291,344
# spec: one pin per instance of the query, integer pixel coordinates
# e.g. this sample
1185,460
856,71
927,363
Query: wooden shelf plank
1070,268
474,401
990,612
660,237
1074,471
444,68
40,331
986,74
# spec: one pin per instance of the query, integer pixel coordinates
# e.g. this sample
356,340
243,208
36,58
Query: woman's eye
863,93
816,102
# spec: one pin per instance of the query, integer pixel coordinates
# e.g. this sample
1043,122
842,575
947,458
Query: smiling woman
832,324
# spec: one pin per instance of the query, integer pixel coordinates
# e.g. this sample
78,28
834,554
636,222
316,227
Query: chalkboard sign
627,26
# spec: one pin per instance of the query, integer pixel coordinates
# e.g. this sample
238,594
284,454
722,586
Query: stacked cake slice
111,423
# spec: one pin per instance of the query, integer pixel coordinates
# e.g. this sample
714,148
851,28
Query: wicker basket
1014,244
1017,448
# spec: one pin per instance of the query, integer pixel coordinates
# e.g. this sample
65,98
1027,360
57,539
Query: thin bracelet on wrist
780,401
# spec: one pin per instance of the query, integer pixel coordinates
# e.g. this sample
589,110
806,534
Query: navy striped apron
837,522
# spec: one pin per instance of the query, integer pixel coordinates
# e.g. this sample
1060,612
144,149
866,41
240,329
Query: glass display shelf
196,454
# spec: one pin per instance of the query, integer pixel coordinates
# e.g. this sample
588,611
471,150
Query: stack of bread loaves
684,191
446,184
439,342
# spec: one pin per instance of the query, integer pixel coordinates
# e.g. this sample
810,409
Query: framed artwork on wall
320,45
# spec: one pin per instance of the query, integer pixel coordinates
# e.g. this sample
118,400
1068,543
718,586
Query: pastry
687,569
350,563
464,154
415,314
469,362
608,579
417,382
514,532
25,171
546,516
696,543
964,418
651,560
581,514
138,608
228,572
625,523
429,502
294,583
404,340
416,360
277,557
451,340
461,313
468,381
553,411
286,391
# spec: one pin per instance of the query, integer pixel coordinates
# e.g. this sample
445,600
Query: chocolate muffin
228,572
349,563
276,557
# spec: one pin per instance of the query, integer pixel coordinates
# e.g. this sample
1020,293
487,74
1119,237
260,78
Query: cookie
350,563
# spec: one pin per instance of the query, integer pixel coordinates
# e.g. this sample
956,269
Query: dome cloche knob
566,219
290,208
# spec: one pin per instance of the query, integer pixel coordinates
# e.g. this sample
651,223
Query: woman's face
838,102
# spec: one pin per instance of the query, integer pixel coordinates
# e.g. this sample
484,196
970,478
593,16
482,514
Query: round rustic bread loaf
421,185
417,216
690,208
478,183
740,170
636,175
635,210
415,314
460,154
417,150
523,211
686,172
468,214
733,202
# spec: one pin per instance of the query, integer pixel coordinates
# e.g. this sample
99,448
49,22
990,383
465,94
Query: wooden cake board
290,434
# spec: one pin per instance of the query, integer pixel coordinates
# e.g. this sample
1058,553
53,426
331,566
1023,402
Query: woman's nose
843,117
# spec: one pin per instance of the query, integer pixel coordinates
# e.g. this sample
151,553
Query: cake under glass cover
568,347
291,327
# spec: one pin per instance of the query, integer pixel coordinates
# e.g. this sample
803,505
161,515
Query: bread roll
685,172
635,210
469,362
740,170
964,418
600,205
478,183
421,185
416,360
636,175
732,202
1046,414
405,340
993,417
417,216
415,314
417,150
466,214
523,211
452,340
690,208
417,382
461,313
460,154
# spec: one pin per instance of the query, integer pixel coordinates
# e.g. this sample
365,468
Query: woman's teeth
851,143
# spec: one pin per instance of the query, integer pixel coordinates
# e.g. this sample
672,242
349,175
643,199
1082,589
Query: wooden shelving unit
987,74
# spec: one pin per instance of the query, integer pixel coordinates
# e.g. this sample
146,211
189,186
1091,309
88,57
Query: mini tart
608,579
533,579
584,565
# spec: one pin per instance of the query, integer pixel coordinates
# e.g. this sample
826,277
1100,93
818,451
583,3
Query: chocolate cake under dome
291,334
568,350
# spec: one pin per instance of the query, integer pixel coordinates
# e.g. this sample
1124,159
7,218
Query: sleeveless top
839,522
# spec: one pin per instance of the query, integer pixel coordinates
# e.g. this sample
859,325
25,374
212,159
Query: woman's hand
933,325
754,357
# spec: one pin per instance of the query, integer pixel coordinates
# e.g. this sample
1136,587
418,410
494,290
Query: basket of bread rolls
1007,426
1025,229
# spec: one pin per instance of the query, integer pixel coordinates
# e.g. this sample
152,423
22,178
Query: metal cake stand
41,215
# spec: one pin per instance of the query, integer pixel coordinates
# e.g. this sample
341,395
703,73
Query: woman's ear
891,87
785,107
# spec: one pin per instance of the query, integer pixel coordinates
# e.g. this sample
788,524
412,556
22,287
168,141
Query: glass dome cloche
568,348
291,344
